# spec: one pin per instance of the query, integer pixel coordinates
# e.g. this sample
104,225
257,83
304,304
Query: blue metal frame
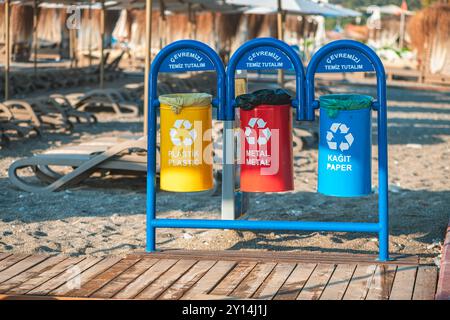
305,111
152,222
380,105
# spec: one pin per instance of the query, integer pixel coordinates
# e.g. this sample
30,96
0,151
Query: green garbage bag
333,103
177,101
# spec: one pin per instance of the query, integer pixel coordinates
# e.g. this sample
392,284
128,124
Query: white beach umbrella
342,12
289,6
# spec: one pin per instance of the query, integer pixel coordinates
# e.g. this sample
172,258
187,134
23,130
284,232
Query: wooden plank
45,276
124,279
21,266
31,273
274,256
443,286
103,278
213,297
4,255
425,287
381,284
30,297
210,279
403,286
274,281
339,282
317,282
85,276
253,281
234,278
69,274
11,260
166,280
141,282
295,282
360,282
176,290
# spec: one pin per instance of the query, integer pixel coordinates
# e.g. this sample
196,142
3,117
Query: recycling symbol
341,129
182,133
264,134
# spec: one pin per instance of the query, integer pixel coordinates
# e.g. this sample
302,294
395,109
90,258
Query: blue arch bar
299,102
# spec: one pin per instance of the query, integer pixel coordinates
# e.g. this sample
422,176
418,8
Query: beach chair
112,70
98,99
9,125
113,155
61,102
40,112
22,111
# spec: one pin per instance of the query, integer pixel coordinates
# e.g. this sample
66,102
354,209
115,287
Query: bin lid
333,103
275,97
177,101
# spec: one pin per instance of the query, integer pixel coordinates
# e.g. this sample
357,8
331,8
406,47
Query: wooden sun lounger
61,101
54,112
51,114
8,124
109,98
22,110
39,112
114,154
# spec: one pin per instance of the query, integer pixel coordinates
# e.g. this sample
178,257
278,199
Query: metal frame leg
228,172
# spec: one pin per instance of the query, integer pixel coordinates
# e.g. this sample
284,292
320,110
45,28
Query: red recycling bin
266,149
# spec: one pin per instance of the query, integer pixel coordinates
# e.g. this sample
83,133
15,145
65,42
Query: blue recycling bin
345,145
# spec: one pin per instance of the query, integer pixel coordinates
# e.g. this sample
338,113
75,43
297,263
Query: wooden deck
215,275
443,288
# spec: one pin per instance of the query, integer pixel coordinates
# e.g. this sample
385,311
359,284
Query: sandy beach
106,215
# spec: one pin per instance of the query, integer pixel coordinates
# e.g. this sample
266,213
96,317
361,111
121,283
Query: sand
105,216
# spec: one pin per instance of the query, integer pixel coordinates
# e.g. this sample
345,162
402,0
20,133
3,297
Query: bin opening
333,103
250,101
177,101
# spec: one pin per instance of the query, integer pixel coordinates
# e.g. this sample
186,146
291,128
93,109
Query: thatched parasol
429,30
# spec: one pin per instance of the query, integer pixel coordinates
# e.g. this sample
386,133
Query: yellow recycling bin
186,142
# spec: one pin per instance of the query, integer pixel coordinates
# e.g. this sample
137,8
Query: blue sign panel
345,60
264,58
184,60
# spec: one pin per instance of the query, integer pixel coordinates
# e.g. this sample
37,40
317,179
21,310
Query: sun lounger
23,111
113,155
9,125
61,101
21,127
43,113
107,98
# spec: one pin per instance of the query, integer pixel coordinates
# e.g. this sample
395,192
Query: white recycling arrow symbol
343,129
264,135
182,134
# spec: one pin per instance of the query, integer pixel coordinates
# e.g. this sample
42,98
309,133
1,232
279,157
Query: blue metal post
152,123
381,106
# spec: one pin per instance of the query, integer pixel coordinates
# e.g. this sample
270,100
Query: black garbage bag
249,101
